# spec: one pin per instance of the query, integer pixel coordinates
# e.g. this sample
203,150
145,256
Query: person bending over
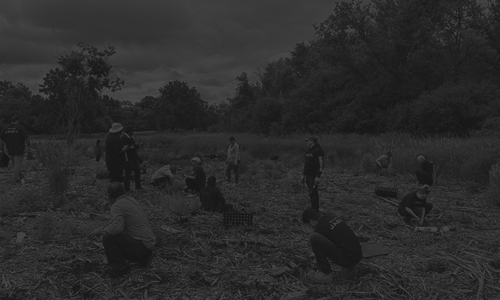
164,176
212,199
196,181
384,162
128,236
332,239
414,205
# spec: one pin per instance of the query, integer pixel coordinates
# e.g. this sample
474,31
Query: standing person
15,138
425,174
115,153
128,236
384,162
212,199
97,151
414,205
132,163
332,239
233,160
313,168
197,180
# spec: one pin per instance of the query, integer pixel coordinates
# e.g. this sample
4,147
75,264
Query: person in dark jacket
212,199
414,205
332,239
132,163
425,174
197,180
16,139
313,168
115,153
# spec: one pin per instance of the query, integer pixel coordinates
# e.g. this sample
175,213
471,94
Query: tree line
427,67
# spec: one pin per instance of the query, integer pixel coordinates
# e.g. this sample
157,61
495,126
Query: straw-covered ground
197,258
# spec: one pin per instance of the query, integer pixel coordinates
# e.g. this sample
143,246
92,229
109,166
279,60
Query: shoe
349,273
320,277
113,273
146,263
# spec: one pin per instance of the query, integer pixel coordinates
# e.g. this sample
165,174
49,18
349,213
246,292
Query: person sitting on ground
414,205
196,181
212,199
384,162
425,175
128,236
332,239
164,176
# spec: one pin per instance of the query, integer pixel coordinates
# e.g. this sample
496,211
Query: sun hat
312,138
116,127
196,159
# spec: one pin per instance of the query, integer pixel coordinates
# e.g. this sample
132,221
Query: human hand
94,233
317,180
421,222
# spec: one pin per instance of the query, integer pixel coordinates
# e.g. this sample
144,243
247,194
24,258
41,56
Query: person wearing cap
384,162
128,236
424,175
15,138
197,180
132,163
332,239
233,160
115,153
414,205
313,168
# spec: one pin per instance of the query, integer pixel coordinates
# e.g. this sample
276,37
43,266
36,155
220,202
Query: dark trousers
313,191
325,249
224,207
132,165
416,210
116,176
120,247
97,158
193,185
423,177
232,166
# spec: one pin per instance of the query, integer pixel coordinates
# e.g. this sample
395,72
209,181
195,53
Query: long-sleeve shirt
313,159
115,157
233,153
127,217
341,235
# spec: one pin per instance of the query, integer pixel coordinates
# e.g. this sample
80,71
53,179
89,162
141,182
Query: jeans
17,164
313,191
132,165
231,166
120,247
323,249
417,210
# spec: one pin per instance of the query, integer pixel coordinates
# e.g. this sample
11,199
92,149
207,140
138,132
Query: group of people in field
128,237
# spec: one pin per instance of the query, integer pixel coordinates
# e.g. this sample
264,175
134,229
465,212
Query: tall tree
85,73
179,107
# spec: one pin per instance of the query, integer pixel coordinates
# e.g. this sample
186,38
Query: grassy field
63,201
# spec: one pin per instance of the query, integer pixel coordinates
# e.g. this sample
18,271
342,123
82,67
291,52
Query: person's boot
320,277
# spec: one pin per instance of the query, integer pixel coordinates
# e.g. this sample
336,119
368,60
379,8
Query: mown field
197,258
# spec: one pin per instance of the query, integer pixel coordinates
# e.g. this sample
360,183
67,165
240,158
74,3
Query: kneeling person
415,205
332,239
212,199
128,236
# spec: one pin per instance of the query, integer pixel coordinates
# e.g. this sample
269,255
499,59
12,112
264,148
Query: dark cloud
205,43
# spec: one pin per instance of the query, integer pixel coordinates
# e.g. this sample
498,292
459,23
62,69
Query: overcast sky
206,43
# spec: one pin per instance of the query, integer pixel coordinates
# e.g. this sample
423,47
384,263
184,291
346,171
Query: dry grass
269,260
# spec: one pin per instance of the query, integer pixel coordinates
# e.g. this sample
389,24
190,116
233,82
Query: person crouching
212,199
128,236
332,239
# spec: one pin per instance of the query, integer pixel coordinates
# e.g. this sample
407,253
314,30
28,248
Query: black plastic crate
386,192
237,218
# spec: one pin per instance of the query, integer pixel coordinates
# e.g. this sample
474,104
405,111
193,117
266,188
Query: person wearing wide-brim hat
197,180
115,153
